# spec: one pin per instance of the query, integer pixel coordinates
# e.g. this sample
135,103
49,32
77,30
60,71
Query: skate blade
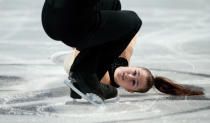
90,97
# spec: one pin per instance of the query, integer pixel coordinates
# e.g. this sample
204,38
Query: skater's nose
130,77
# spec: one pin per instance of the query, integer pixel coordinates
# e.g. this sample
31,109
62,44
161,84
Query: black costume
99,29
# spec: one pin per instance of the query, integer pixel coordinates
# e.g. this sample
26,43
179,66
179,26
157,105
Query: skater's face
131,78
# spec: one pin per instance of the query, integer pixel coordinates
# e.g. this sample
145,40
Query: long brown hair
167,86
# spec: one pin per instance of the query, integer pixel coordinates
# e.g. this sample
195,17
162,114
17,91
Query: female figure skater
101,31
96,28
136,79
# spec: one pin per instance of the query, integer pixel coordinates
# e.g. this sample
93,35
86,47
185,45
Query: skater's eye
133,83
135,72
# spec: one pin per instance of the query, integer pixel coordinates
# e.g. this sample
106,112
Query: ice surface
174,42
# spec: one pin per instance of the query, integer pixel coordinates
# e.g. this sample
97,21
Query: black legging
100,31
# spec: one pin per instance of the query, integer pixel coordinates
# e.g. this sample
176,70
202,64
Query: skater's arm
127,53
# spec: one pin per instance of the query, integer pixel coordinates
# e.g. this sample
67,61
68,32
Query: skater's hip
65,26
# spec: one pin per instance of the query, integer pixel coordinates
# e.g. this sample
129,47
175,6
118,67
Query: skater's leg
110,5
114,25
69,21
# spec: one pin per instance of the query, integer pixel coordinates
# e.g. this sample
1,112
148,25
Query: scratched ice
174,41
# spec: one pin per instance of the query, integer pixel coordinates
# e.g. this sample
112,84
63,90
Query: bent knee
118,5
137,20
